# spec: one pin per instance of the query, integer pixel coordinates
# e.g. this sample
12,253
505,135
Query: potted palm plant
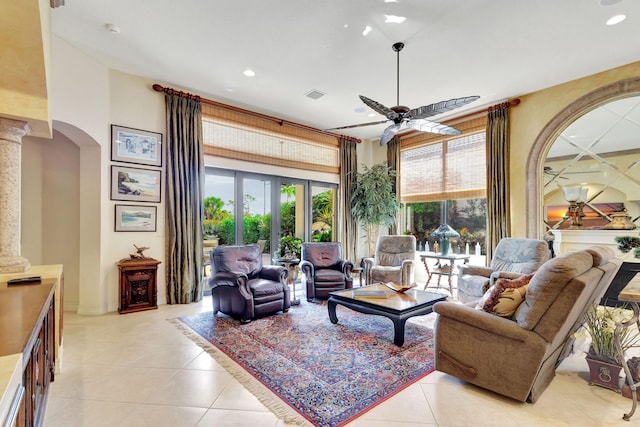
374,202
603,357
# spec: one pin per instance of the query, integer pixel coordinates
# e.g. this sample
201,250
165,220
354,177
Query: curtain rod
506,104
281,122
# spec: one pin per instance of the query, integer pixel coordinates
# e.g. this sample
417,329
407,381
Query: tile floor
139,370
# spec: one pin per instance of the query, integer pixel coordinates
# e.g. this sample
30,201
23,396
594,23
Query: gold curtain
348,230
497,139
393,161
184,198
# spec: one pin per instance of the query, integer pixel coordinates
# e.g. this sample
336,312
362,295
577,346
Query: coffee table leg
331,306
398,331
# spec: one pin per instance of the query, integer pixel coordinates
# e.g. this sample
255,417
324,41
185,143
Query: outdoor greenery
467,217
220,223
374,202
290,246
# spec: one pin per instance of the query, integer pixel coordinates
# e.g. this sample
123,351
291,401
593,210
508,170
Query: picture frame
135,218
142,147
135,184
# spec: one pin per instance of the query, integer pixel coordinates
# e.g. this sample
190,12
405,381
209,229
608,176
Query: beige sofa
517,356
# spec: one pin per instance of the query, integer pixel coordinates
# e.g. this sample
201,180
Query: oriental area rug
323,373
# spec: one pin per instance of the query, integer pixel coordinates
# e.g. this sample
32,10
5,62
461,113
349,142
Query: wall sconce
576,195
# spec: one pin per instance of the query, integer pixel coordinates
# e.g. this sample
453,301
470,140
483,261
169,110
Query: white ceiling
497,49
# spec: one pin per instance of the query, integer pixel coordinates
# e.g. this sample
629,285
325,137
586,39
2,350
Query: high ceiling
497,49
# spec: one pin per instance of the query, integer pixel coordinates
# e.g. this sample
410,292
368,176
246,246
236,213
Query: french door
269,210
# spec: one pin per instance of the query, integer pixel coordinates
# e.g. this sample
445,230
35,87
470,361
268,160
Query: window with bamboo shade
444,167
238,136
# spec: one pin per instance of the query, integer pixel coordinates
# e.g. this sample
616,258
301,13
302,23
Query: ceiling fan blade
439,107
389,133
432,127
379,108
359,125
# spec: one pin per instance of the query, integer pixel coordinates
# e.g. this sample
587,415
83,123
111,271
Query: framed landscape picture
135,218
136,146
135,184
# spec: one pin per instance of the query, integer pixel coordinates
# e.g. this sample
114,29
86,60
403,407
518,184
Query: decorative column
11,133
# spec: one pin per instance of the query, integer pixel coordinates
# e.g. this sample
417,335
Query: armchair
393,260
242,287
517,356
324,269
513,257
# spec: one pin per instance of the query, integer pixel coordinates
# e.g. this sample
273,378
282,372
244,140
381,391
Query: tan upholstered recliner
517,357
512,255
393,261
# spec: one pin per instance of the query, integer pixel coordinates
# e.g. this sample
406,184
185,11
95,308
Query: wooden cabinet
138,284
27,328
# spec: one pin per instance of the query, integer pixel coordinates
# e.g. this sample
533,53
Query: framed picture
135,184
136,146
135,218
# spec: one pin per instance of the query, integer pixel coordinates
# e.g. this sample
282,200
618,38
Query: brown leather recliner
242,287
324,269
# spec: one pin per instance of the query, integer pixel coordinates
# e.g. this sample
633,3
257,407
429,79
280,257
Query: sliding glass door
278,213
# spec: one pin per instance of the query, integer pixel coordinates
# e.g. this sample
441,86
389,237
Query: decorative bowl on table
399,288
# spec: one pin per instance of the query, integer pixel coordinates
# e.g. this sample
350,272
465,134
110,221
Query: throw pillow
505,296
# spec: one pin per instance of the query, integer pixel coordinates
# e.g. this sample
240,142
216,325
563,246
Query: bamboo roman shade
444,167
239,136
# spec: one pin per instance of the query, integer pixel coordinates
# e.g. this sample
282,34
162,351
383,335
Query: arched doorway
549,134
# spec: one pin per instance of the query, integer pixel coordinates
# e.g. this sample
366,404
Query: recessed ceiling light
249,73
616,19
395,19
391,1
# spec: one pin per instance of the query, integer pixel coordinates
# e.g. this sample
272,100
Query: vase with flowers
603,358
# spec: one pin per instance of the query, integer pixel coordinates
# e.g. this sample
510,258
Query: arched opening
549,134
61,211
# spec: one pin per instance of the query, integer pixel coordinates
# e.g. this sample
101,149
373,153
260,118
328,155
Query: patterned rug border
268,398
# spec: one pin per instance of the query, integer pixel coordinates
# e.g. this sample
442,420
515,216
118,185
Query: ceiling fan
414,118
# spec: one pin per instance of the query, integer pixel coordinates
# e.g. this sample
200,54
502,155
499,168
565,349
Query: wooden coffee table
396,306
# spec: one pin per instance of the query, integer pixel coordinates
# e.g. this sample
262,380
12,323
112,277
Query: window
237,136
445,172
448,169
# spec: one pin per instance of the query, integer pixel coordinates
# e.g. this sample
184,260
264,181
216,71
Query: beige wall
527,121
51,191
24,49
